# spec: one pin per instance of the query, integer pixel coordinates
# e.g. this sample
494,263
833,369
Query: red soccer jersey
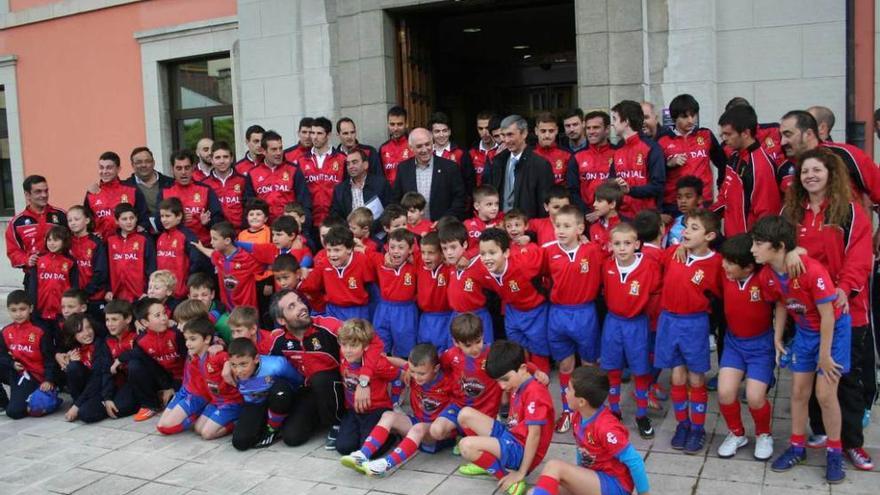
475,387
118,345
395,284
343,286
769,138
575,275
639,161
26,233
230,192
431,289
465,292
420,229
265,339
803,294
108,196
544,229
653,252
172,254
588,168
429,400
514,285
747,313
243,166
31,346
392,153
531,404
295,152
701,149
90,255
599,440
166,348
197,198
685,284
131,258
629,290
383,373
600,231
276,186
220,392
475,227
749,191
557,158
236,277
321,178
54,273
479,158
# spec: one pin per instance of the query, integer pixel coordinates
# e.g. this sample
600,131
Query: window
201,100
7,204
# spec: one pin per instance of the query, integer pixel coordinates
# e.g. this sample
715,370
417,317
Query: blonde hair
189,310
356,331
362,217
244,316
165,278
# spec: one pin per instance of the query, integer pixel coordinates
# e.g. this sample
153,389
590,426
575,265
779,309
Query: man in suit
434,177
521,177
360,188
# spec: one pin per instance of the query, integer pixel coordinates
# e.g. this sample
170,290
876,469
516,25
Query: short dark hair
110,155
181,155
360,152
78,294
61,233
483,191
142,307
221,145
333,221
286,224
692,182
504,356
590,384
452,232
804,121
707,218
423,354
545,118
741,118
494,123
137,150
392,212
631,112
339,236
606,119
438,118
201,280
496,235
574,211
738,250
285,263
241,346
609,191
467,328
430,239
683,105
270,135
254,129
413,200
224,229
516,214
119,307
777,230
647,224
735,102
200,326
18,296
556,191
344,119
397,111
121,208
402,235
256,204
573,112
323,123
31,180
172,204
485,115
306,122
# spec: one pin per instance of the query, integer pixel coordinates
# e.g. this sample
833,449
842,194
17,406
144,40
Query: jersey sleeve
14,251
537,409
615,438
822,290
856,270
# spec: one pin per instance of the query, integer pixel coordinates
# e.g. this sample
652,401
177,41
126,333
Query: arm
456,208
140,208
198,262
830,369
94,386
47,349
100,270
765,192
32,286
303,196
18,257
214,207
529,452
656,176
636,465
717,157
573,182
856,270
779,318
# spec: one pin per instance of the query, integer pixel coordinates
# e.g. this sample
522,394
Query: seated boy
202,287
162,285
415,204
606,463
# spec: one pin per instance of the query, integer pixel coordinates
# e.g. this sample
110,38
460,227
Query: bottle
785,359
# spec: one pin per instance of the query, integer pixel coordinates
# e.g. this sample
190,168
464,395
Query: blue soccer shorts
573,329
683,340
625,344
397,324
223,414
192,404
805,347
528,328
756,356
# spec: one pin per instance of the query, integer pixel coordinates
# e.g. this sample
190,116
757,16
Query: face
107,170
254,144
70,306
762,251
793,142
305,136
242,331
338,255
568,229
487,208
294,312
431,256
399,251
423,373
157,318
421,143
547,132
203,149
286,279
351,351
498,137
195,343
514,138
127,222
347,134
169,220
649,126
483,132
397,223
602,207
413,216
732,138
686,199
472,349
619,126
695,235
256,219
143,164
86,335
274,153
686,123
319,137
19,313
222,161
158,290
203,294
358,231
624,246
182,170
555,204
493,257
734,271
510,381
54,244
574,128
452,251
282,239
597,131
218,242
396,126
38,197
515,227
243,367
441,133
356,166
117,324
814,176
77,222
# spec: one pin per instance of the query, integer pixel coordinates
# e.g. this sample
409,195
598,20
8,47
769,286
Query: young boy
606,462
203,287
256,213
431,391
415,204
131,256
161,287
555,198
521,444
286,272
748,349
688,196
116,393
341,276
649,227
236,269
487,214
821,341
631,280
27,363
397,317
515,224
525,309
465,290
575,273
244,322
360,222
393,218
683,327
608,198
432,280
174,246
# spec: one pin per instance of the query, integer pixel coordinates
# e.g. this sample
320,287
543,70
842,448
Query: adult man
346,131
202,169
360,188
26,232
435,178
295,152
651,124
825,118
485,148
396,149
639,167
520,176
278,182
253,137
103,197
573,123
768,135
231,188
322,167
591,166
547,130
147,179
445,148
201,209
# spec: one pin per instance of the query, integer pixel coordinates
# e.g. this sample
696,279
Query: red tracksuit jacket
392,153
232,194
639,161
322,180
295,152
702,151
131,258
279,186
175,253
749,191
479,159
587,169
26,233
53,274
243,166
109,195
90,254
197,198
31,346
557,158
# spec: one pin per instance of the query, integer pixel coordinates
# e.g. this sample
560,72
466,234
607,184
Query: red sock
614,380
468,432
798,440
542,362
762,416
170,430
732,417
547,485
404,451
564,380
375,441
699,400
679,395
491,464
643,382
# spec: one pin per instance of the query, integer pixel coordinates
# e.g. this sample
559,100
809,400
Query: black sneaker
504,411
646,429
330,444
269,437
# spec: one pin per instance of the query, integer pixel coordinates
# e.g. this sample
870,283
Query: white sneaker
712,345
763,447
355,461
377,467
731,444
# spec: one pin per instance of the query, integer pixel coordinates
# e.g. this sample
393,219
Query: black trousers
143,378
355,428
315,407
20,390
252,420
850,394
91,408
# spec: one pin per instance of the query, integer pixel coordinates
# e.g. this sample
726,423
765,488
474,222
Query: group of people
414,297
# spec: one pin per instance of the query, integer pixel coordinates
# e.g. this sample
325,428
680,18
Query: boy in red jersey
748,350
521,444
131,256
516,223
244,321
555,198
27,362
607,464
90,253
432,280
116,394
230,187
631,280
683,328
465,291
415,204
821,343
236,268
431,391
525,309
341,276
54,273
174,246
649,227
608,198
200,206
574,270
487,214
397,317
360,222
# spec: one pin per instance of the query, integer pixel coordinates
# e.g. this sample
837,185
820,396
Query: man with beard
573,124
591,166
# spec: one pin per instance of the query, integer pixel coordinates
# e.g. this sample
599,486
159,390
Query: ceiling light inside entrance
520,47
472,30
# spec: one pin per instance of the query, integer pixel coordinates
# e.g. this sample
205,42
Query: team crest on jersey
697,279
170,344
237,266
406,153
197,197
123,198
407,279
639,159
64,266
316,344
285,176
135,245
634,288
441,280
209,367
89,253
468,285
585,266
769,142
820,283
352,283
700,140
471,387
754,294
514,287
32,337
237,188
558,163
796,285
174,244
335,167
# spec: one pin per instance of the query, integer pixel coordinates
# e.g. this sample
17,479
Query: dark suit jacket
374,186
533,177
447,187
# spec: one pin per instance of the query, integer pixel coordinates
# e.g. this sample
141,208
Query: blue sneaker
681,435
695,440
834,468
866,419
789,459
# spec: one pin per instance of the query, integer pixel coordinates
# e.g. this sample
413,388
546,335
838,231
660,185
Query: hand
830,369
463,262
666,219
680,254
32,259
583,239
388,261
542,377
47,386
361,399
94,188
591,217
780,350
677,160
108,296
267,290
139,327
623,184
794,266
74,355
512,478
111,408
71,414
205,217
297,244
842,301
166,395
62,359
115,366
523,240
214,349
226,374
18,366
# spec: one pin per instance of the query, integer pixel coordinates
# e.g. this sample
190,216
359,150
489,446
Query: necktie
510,180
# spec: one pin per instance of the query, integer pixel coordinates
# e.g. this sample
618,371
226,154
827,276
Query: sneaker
860,459
518,488
471,469
712,384
834,472
269,437
456,451
144,414
695,440
646,430
330,444
763,447
504,412
712,344
680,437
789,459
563,424
866,419
653,403
378,468
355,460
731,444
659,393
817,441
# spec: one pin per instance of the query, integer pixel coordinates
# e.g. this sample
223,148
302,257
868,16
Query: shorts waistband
624,318
585,305
686,316
397,303
762,335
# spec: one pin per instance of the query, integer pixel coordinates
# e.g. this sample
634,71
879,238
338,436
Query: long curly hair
838,190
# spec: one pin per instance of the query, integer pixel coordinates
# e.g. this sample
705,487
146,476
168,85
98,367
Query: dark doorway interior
509,56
